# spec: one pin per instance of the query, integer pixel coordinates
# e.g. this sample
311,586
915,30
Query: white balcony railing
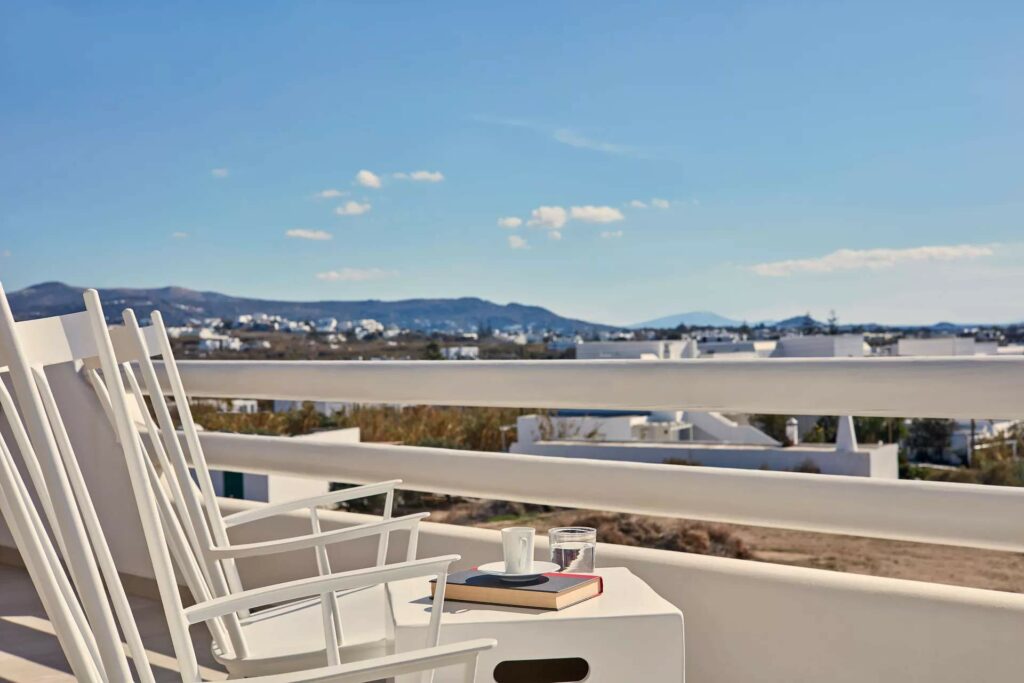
886,387
947,513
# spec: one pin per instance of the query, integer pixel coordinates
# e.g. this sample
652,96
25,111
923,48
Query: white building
936,346
821,346
983,431
626,427
747,348
326,325
646,439
461,352
210,341
247,406
709,438
325,408
719,336
630,349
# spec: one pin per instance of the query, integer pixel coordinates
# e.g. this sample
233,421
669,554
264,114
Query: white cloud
611,234
554,234
567,136
353,208
553,217
596,214
368,179
356,274
637,204
330,194
219,172
660,203
870,259
510,222
304,234
517,242
179,235
421,176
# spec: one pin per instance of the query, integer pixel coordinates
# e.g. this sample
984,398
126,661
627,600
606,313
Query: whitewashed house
461,353
630,349
326,325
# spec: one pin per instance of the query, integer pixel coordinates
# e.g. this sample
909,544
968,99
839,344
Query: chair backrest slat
195,449
91,521
157,446
222,576
145,498
177,529
41,559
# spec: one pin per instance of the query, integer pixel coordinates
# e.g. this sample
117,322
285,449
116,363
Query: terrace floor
30,653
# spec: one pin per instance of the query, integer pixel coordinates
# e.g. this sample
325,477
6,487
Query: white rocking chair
315,632
77,604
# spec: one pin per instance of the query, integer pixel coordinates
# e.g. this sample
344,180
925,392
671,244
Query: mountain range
691,319
709,319
178,305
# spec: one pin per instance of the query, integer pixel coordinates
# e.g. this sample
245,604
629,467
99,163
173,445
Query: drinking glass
573,548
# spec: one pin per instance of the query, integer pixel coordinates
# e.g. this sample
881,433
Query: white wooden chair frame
205,530
77,605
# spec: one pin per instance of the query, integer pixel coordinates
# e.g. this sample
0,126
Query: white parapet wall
752,621
875,461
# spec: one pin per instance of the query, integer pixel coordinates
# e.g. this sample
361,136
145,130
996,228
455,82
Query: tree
868,430
929,437
772,425
432,351
833,322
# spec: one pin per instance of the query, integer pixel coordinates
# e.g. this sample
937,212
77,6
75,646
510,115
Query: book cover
549,591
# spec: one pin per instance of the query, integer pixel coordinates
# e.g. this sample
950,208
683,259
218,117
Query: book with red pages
548,591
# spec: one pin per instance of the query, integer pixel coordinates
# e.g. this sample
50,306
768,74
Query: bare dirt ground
916,561
897,559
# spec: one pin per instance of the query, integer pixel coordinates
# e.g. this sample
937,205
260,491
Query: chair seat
290,636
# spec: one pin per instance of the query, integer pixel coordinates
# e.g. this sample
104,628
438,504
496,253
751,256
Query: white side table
629,633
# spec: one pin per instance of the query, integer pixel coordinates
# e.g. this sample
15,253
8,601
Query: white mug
517,545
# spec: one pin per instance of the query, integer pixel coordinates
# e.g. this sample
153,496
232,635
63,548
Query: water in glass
572,548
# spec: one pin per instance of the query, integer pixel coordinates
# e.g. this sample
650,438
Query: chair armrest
314,540
316,586
274,509
388,666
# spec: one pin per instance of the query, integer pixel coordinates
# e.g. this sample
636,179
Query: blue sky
755,159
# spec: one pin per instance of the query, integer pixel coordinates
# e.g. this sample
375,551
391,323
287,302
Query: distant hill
691,319
178,304
798,322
